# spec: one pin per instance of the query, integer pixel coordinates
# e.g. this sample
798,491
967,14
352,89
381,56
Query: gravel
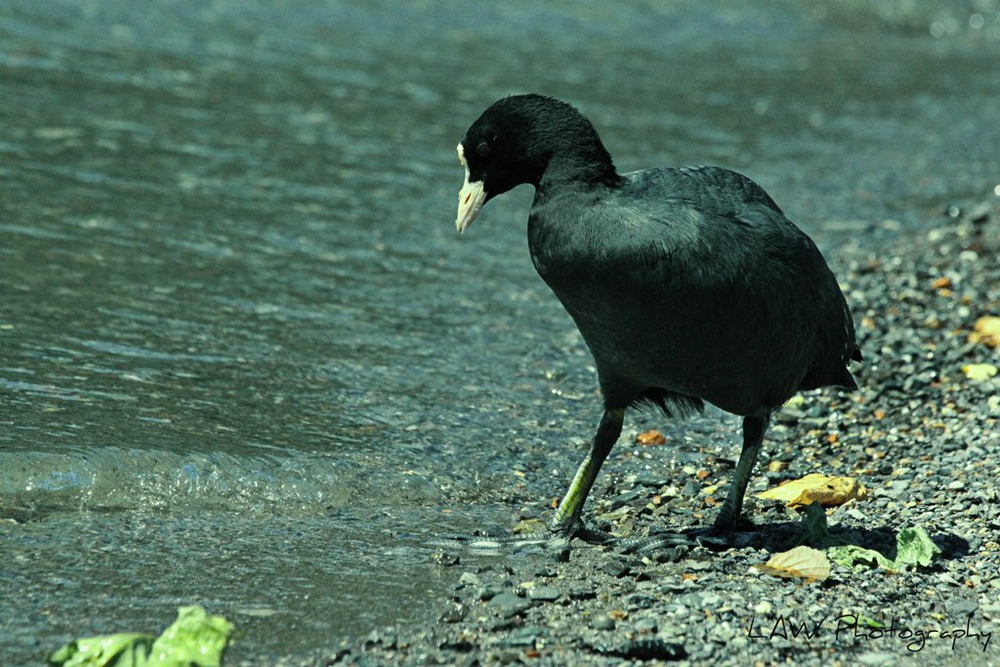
920,434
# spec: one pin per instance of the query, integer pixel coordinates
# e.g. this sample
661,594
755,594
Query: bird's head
514,141
494,152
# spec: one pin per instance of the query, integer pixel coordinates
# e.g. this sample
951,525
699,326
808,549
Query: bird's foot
714,538
554,540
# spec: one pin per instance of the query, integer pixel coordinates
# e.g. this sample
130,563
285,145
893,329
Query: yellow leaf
650,438
986,331
804,562
815,488
941,283
979,372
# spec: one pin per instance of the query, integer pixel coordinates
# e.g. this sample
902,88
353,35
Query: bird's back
692,281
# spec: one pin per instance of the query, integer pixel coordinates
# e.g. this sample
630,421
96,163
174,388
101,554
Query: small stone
640,601
789,415
446,558
544,593
616,568
627,498
469,579
721,632
875,658
509,604
947,578
648,478
603,623
857,514
645,625
507,656
962,607
454,614
698,565
979,213
488,592
523,638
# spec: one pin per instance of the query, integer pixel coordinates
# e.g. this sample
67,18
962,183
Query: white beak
470,199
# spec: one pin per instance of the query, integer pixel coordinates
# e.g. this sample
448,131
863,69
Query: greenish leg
567,520
753,435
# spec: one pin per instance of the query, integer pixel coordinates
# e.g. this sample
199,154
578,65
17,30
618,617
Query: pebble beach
921,434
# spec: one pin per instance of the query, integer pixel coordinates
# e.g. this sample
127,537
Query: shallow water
246,361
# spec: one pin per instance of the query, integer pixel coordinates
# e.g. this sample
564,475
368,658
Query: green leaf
869,622
195,638
817,533
915,547
122,650
852,555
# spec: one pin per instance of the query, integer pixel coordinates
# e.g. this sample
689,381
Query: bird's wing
714,244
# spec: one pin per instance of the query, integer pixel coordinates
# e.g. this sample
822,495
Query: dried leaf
815,488
941,283
979,372
803,562
986,331
650,438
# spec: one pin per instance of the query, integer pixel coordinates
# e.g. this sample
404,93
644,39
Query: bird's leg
753,435
721,535
567,522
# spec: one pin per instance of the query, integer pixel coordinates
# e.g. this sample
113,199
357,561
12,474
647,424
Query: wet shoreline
249,364
920,434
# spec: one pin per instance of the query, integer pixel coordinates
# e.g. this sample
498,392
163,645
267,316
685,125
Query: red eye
483,149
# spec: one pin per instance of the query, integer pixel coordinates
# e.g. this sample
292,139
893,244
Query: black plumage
689,285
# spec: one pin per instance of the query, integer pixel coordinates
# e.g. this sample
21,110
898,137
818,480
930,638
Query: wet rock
582,593
454,614
523,638
508,604
603,623
469,579
649,478
447,558
488,592
547,572
647,649
629,497
961,607
544,593
645,625
639,601
616,568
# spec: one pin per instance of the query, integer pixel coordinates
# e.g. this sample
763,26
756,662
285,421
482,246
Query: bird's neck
591,169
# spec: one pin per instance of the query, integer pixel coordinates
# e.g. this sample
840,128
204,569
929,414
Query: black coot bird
688,284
